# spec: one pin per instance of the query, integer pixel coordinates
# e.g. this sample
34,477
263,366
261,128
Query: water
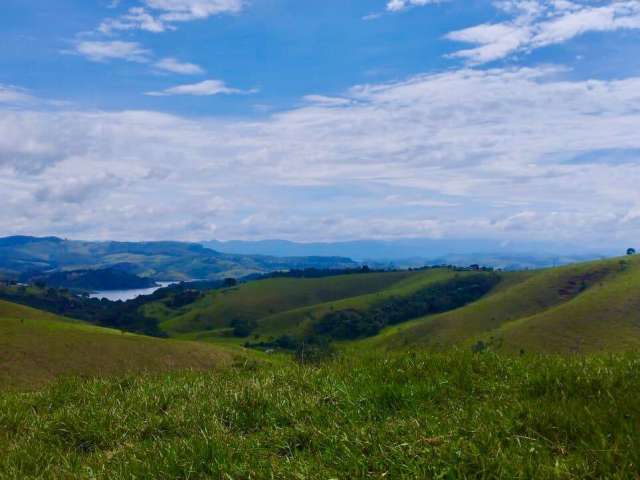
124,295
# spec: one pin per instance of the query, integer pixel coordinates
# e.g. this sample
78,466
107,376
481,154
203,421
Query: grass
295,321
586,307
37,347
415,415
256,300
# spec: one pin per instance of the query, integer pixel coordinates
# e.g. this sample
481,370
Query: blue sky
332,120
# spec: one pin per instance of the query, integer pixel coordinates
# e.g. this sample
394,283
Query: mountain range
29,257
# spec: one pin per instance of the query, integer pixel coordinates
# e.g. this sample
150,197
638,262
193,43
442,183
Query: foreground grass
453,415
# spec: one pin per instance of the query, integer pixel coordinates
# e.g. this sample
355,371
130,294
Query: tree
631,251
230,282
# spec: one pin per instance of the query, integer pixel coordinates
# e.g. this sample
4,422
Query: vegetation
121,315
581,308
37,347
454,415
90,280
456,393
439,297
254,301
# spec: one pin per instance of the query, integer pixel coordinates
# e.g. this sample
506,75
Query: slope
572,308
298,320
257,300
36,347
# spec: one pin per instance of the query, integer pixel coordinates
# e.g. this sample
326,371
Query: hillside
36,347
32,256
257,300
100,279
264,311
580,308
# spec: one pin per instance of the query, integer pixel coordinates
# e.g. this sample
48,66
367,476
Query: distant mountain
32,256
420,251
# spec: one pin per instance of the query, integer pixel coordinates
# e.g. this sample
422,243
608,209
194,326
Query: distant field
412,416
36,347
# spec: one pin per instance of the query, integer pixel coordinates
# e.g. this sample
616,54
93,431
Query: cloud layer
539,23
519,153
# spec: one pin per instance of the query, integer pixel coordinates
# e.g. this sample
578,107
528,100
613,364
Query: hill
253,301
113,278
26,257
579,308
261,312
36,347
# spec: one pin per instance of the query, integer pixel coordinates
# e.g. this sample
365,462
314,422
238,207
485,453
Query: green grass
585,307
416,415
297,320
37,347
257,300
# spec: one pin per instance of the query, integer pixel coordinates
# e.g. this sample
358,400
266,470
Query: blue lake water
124,295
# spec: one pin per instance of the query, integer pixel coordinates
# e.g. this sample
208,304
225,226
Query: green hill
584,307
296,321
254,301
36,347
287,306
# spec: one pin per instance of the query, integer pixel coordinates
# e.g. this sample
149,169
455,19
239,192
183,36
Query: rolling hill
580,308
36,347
257,300
276,307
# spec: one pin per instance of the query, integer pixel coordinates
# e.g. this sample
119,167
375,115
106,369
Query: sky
322,120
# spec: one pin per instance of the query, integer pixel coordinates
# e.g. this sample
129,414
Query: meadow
410,415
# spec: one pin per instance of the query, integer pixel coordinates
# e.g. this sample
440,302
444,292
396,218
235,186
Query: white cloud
136,18
170,64
11,95
327,101
187,10
538,23
160,15
98,51
397,5
462,153
206,88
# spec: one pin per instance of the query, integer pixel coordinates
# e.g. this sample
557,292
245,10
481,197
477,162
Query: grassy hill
255,301
585,307
452,415
297,320
36,347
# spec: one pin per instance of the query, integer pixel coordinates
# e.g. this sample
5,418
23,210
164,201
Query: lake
124,295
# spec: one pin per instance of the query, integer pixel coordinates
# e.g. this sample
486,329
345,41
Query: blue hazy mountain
421,251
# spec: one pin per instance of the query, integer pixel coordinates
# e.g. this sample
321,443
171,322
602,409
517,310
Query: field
37,347
420,415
